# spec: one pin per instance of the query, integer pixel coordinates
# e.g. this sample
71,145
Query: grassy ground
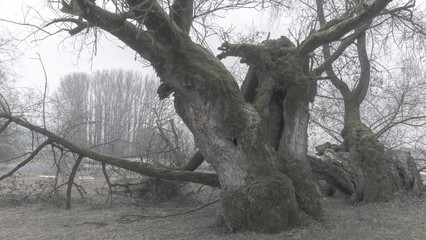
27,212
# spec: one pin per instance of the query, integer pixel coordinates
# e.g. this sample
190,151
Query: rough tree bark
257,146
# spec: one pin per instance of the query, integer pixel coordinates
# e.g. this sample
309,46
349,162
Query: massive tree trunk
280,87
277,91
235,137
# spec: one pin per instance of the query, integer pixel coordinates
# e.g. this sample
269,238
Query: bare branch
338,52
71,180
393,124
31,157
146,43
45,89
243,50
81,25
5,125
26,25
4,105
334,134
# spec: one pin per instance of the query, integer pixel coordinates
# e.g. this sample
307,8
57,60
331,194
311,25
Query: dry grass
28,213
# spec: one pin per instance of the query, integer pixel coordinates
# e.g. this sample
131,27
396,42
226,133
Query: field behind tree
28,211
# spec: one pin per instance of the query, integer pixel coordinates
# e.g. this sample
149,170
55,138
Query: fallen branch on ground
136,217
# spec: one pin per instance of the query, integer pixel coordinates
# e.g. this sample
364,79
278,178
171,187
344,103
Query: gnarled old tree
372,177
368,174
255,138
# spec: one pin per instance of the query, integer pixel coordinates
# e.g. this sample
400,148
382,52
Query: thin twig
45,89
136,217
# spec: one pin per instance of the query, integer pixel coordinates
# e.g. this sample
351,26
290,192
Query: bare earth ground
27,213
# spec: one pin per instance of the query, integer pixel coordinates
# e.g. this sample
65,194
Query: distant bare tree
117,112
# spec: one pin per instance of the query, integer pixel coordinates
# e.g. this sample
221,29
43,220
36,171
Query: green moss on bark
203,74
263,96
369,154
273,205
268,201
266,205
292,75
306,193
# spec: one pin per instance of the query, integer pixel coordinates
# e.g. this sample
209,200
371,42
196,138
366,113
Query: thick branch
150,14
338,52
248,52
361,89
364,80
182,12
71,180
339,30
142,168
5,126
194,162
338,83
259,55
326,50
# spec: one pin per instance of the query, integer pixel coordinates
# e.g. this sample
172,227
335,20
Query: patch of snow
79,177
46,176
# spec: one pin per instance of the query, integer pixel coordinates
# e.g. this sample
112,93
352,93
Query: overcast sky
61,58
